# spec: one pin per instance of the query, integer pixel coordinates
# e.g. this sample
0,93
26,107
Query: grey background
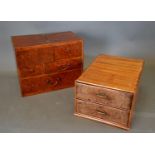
53,112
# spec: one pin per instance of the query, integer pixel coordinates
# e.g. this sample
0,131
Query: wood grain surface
50,82
114,72
47,57
104,96
103,112
107,90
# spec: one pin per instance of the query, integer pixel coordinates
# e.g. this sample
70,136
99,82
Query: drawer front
68,50
31,70
104,96
34,56
63,65
102,112
49,82
41,55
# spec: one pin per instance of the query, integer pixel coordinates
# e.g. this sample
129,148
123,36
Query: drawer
63,65
69,50
31,70
102,112
104,96
34,56
49,82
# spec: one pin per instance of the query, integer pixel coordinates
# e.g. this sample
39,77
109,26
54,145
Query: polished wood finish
45,83
106,91
114,72
47,62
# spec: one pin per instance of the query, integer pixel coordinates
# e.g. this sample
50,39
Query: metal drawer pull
102,112
61,68
102,95
55,82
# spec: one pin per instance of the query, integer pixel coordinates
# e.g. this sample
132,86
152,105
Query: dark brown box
48,62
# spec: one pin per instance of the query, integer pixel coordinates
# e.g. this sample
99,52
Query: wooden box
106,91
48,62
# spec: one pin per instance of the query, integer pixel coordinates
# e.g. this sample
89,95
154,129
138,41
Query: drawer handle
102,95
62,68
102,112
55,82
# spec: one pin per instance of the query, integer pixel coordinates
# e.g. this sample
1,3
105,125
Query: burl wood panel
43,56
34,56
63,65
40,55
102,112
50,82
29,71
104,96
68,50
107,90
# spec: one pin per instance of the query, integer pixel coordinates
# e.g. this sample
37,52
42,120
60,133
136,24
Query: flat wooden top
46,38
113,72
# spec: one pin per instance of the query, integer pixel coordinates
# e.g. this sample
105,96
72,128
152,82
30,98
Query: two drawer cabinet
47,62
106,91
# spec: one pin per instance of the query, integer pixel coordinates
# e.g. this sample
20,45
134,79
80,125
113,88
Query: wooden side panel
102,112
49,82
104,96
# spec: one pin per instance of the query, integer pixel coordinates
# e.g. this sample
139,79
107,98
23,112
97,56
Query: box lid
113,72
46,38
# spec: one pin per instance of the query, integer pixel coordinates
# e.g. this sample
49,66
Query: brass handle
55,82
102,95
102,112
62,68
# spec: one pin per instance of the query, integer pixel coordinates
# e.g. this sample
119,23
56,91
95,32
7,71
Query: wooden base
103,121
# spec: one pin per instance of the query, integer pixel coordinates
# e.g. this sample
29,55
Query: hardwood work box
106,91
48,62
